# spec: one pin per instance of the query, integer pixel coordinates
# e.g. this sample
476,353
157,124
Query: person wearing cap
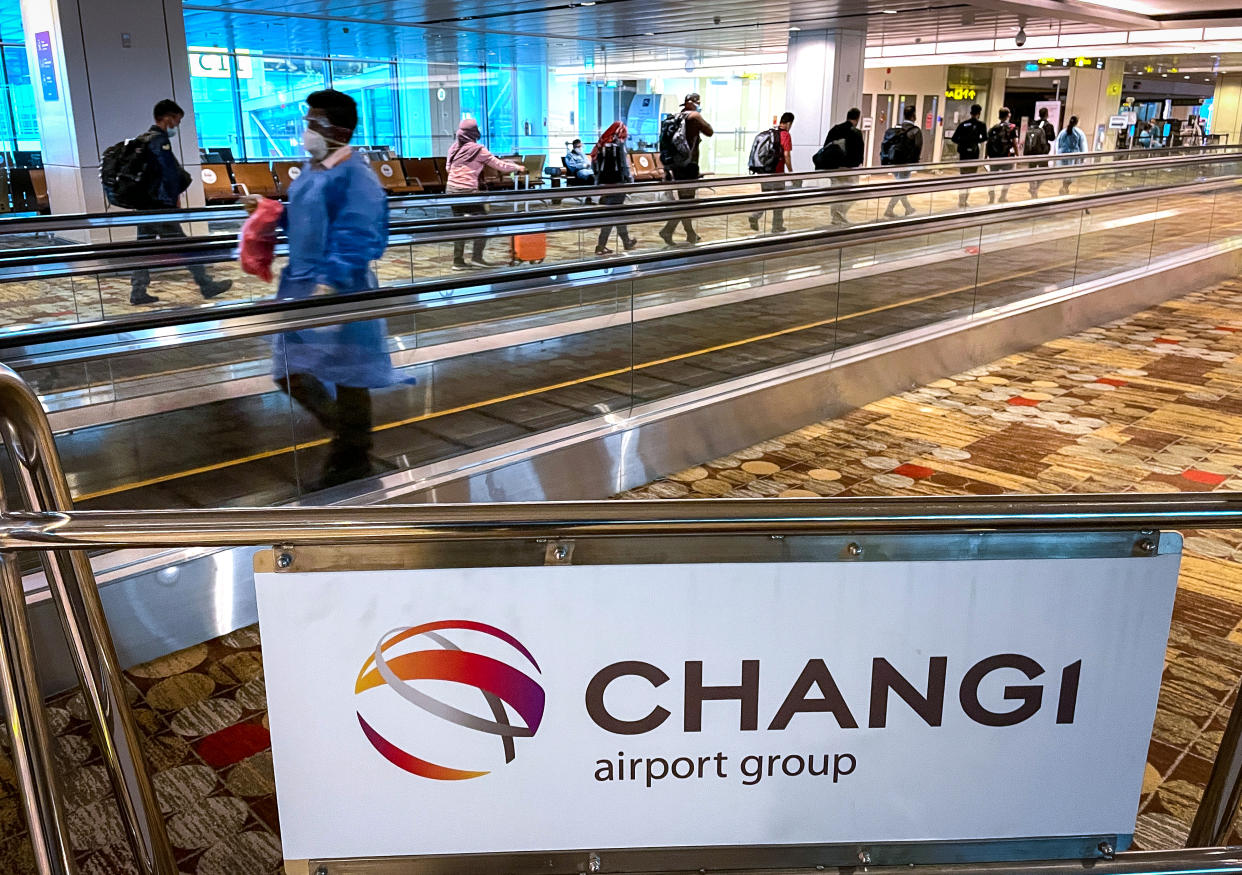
697,128
337,224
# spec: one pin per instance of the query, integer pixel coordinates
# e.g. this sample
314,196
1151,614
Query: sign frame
715,548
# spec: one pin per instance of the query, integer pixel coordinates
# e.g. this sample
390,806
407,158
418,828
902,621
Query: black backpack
609,168
1001,140
898,146
831,157
1036,142
130,174
675,148
765,154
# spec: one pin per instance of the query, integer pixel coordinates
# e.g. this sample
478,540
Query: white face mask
172,132
315,144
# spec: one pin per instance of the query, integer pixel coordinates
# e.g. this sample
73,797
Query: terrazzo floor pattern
1152,403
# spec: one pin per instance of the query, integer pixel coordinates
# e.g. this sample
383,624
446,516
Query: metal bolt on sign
1146,546
284,560
864,856
1107,851
593,863
854,550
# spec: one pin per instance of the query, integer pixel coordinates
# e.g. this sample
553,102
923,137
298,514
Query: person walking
336,222
465,162
902,145
772,154
680,136
1002,143
612,167
843,149
1039,139
173,181
577,164
969,136
1072,141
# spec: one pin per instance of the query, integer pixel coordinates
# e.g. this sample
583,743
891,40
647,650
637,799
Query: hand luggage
530,247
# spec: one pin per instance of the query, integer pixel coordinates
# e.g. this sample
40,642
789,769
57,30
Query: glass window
214,88
373,85
273,93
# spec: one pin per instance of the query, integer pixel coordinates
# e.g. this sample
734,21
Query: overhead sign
1090,63
1118,122
483,710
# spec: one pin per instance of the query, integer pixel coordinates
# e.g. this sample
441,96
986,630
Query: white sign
522,709
209,175
1117,122
214,64
1054,112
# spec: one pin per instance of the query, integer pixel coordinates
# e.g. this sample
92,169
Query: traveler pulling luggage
528,247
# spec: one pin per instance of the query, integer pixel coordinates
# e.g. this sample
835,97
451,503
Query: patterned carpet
1152,403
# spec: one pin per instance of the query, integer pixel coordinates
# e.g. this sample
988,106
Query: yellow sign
961,92
1114,89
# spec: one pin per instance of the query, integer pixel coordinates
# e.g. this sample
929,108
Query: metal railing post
30,735
32,450
1223,793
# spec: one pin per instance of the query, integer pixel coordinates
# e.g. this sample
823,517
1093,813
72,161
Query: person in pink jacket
466,160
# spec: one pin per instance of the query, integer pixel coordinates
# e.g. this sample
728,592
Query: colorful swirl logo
499,683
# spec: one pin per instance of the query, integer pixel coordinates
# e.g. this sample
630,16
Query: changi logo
499,683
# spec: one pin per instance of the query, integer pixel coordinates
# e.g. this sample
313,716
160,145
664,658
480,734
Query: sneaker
667,237
211,290
754,222
629,244
482,263
779,229
693,239
461,265
602,250
889,214
143,298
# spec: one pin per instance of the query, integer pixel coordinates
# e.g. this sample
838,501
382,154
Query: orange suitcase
530,247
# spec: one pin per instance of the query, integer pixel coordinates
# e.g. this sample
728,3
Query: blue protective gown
337,224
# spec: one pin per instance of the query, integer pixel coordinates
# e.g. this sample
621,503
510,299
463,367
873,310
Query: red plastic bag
258,239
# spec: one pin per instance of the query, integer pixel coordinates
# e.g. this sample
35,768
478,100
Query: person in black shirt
968,137
1002,143
846,132
173,181
1050,137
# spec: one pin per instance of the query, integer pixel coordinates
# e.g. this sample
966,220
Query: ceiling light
1187,77
889,11
793,28
1164,75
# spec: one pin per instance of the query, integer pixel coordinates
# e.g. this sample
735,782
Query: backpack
765,153
129,174
831,157
674,145
1000,140
1036,142
898,146
609,169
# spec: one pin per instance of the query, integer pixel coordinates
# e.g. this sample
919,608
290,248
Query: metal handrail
61,535
246,319
229,212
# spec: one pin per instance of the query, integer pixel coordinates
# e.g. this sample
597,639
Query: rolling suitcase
529,247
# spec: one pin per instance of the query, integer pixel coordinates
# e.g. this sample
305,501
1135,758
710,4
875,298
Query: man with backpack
902,145
1002,143
969,136
680,135
772,153
159,186
843,149
1039,139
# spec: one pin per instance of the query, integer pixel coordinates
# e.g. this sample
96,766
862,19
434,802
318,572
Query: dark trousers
478,244
141,278
778,215
690,171
613,200
348,417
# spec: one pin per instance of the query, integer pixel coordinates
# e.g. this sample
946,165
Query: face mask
315,145
172,132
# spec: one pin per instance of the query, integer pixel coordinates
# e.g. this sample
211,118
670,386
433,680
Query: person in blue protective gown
337,224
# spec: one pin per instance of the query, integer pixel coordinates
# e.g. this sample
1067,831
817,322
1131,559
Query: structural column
1227,108
98,68
823,80
1094,95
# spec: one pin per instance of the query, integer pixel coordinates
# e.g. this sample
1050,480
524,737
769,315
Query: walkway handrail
232,212
61,535
46,345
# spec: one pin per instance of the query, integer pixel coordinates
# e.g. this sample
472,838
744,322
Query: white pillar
98,68
1094,95
1227,108
823,80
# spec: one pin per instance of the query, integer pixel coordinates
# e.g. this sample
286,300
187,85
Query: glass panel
373,85
272,104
